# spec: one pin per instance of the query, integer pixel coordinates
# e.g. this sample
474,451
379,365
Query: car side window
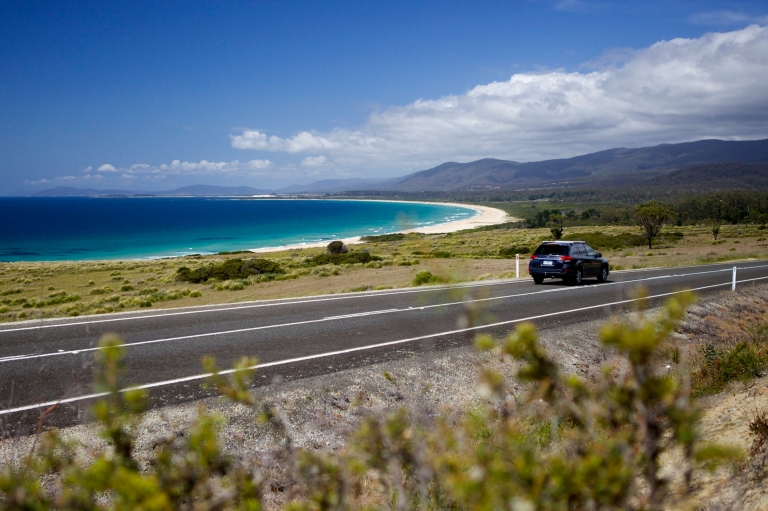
590,251
577,250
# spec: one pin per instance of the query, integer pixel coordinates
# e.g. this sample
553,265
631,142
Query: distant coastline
485,216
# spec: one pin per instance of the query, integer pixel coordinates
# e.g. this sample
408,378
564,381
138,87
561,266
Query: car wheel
538,279
577,278
603,277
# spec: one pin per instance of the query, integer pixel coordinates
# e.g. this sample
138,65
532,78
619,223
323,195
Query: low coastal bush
348,258
337,247
442,254
230,269
398,236
52,299
744,362
100,290
426,277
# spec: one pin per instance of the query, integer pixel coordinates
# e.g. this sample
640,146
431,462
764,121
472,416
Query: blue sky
153,95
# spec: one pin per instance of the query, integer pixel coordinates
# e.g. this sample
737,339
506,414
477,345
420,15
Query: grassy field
58,289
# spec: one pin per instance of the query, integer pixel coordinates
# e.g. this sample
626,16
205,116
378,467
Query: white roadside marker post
733,282
517,266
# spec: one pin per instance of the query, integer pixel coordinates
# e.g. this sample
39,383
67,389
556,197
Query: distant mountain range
704,165
613,167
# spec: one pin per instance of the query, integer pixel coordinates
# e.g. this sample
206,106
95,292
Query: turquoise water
83,228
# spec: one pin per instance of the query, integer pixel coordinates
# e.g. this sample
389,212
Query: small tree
715,230
337,247
557,223
651,217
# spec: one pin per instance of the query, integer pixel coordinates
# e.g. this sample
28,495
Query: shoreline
485,216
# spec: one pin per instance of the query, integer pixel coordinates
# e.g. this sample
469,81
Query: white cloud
87,169
180,168
673,91
315,162
725,17
304,141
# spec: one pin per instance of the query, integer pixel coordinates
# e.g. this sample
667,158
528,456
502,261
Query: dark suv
571,261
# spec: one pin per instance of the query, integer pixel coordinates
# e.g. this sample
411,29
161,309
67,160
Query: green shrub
337,247
52,299
426,277
743,362
14,291
126,287
441,254
229,270
100,290
362,257
398,236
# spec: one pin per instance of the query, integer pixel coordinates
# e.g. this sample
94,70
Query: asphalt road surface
51,361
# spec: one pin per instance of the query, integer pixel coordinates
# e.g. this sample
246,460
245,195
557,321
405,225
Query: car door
578,253
592,261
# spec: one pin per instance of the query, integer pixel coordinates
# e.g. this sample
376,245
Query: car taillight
565,258
533,256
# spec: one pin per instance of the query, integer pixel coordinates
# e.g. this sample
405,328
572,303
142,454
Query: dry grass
113,286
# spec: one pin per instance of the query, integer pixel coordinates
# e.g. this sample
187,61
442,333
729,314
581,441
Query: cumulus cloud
315,161
304,141
180,168
673,91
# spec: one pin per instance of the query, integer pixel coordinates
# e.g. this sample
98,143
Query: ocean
88,228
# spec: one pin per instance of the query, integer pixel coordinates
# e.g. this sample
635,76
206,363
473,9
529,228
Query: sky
152,95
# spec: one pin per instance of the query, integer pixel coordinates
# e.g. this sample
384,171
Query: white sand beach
485,216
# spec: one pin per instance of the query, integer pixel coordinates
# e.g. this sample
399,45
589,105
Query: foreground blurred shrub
564,445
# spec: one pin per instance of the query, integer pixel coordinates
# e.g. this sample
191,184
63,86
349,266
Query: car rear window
552,250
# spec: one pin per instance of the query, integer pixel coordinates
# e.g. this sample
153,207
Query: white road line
290,301
18,358
359,348
14,357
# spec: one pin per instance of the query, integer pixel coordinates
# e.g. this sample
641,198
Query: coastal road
51,361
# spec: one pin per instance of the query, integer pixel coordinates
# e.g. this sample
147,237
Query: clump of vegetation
426,277
337,247
230,269
56,298
758,430
398,236
347,258
743,362
441,254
